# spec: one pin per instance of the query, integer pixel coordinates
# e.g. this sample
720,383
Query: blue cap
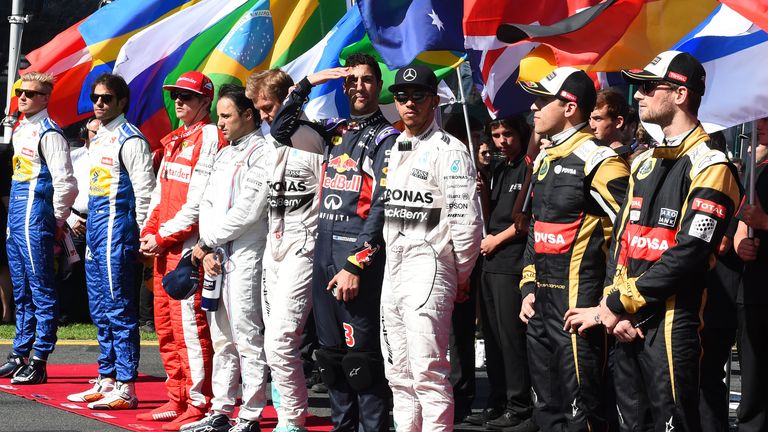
183,281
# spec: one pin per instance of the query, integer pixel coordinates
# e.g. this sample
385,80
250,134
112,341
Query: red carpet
67,379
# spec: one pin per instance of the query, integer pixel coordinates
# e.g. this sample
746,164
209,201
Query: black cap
676,67
415,75
183,281
568,84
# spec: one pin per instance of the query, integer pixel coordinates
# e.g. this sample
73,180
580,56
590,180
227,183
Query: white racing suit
433,230
233,221
293,202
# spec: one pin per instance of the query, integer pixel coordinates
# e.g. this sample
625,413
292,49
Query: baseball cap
416,75
676,67
568,84
183,281
193,81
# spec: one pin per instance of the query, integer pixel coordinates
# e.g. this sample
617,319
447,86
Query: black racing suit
349,238
577,189
679,203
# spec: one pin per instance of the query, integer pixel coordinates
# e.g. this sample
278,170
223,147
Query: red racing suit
182,328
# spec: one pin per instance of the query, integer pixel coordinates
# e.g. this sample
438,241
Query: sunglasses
649,86
416,97
184,96
28,93
106,98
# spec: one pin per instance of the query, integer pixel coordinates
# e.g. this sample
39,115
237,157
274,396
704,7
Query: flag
402,29
626,34
225,40
753,10
495,64
79,54
733,51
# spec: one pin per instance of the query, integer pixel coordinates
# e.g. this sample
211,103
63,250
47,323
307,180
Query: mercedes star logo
409,74
332,202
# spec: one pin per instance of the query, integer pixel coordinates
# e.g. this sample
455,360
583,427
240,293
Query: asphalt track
17,414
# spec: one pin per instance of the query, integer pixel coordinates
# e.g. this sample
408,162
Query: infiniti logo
332,202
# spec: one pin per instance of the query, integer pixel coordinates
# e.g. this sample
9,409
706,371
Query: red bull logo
343,163
365,255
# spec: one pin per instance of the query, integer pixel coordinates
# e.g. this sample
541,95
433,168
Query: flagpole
471,142
16,21
752,179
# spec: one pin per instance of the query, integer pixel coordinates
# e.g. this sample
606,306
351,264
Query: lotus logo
332,202
409,74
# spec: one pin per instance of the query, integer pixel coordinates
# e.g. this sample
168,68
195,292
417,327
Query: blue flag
402,29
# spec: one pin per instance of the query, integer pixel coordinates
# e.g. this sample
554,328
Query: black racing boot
485,415
13,365
33,373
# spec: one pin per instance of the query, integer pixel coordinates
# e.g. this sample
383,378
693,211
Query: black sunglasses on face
184,96
106,98
649,86
416,97
28,93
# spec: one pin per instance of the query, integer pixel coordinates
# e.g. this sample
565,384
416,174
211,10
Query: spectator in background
42,192
509,404
752,300
121,185
608,117
74,305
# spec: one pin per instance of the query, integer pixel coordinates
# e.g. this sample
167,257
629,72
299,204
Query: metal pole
472,148
17,21
752,179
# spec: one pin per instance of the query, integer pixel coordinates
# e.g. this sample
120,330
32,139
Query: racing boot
101,386
123,396
33,373
191,415
12,365
166,412
209,423
246,426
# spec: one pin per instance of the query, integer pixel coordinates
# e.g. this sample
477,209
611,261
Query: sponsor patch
570,96
562,170
703,227
420,174
554,238
677,76
634,215
645,243
707,206
343,163
668,217
340,182
179,172
637,203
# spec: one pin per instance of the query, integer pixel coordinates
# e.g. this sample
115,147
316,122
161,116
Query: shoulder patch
446,139
586,148
639,160
539,158
598,155
386,133
707,159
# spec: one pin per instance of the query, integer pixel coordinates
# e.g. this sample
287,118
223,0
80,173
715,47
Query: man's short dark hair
517,123
117,84
236,94
615,102
357,59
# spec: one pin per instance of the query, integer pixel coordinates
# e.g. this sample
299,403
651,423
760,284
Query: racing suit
577,188
182,329
681,197
432,229
233,221
121,186
350,238
43,189
293,202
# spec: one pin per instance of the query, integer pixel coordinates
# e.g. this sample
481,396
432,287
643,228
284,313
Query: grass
70,332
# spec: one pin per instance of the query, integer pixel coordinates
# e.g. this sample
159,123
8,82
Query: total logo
343,163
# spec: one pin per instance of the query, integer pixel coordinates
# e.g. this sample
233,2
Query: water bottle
211,292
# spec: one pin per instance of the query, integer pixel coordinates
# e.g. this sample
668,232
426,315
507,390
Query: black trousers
505,343
753,356
568,371
462,350
716,344
657,378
